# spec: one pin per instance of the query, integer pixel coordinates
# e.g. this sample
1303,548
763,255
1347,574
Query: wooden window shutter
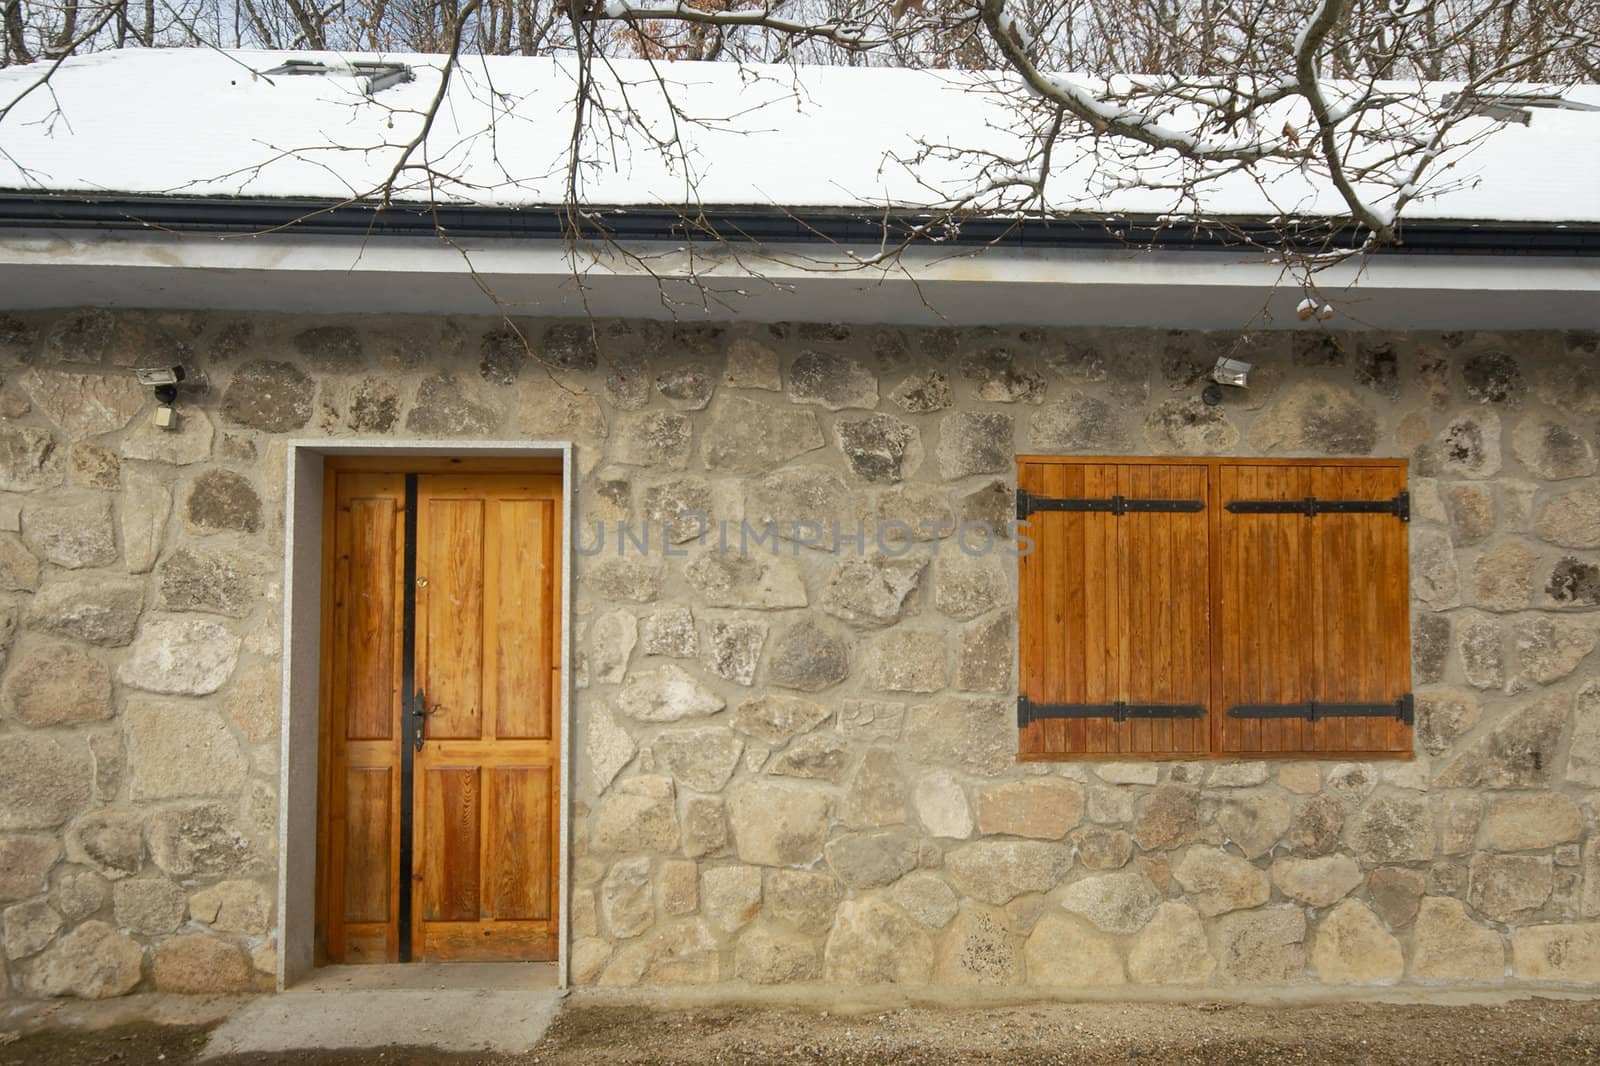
1313,609
1115,601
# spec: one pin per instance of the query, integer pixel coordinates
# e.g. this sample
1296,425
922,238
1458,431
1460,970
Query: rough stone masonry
799,766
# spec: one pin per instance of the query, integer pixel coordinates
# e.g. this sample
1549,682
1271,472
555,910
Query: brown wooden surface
1166,607
360,842
1267,628
1115,608
488,646
486,783
1314,608
1285,609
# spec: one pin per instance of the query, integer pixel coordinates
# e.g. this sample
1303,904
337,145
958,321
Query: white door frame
302,656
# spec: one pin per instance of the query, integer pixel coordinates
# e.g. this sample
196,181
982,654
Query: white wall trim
930,285
301,693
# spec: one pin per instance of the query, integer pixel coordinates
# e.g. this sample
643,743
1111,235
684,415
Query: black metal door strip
1402,709
1311,506
1119,711
410,720
1027,503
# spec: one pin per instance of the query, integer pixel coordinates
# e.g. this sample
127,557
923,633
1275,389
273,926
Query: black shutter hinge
1027,503
1118,711
1402,710
1311,506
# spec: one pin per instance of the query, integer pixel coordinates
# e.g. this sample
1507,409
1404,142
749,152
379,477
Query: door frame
300,756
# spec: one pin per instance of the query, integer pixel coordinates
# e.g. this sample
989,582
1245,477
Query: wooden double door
441,708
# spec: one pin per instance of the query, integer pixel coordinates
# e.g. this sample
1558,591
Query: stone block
874,942
94,961
1265,946
43,780
1040,809
71,535
200,964
1447,945
778,824
57,684
1171,948
768,955
1567,953
176,750
1352,947
148,906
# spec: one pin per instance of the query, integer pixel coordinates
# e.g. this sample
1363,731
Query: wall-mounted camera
1229,373
163,380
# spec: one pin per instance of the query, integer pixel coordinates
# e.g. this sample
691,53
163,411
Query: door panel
485,654
486,774
359,848
450,599
522,648
450,843
519,822
368,839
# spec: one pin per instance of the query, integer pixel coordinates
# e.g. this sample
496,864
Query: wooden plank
546,466
451,822
454,574
368,942
524,570
1064,637
369,827
489,942
1102,581
519,868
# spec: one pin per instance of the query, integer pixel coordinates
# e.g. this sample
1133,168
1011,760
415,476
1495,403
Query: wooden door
466,755
486,774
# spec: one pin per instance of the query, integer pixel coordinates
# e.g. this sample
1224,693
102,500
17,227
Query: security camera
1234,373
155,376
164,381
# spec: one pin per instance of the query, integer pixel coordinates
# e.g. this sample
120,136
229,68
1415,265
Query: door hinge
1311,506
1402,709
1119,711
1027,503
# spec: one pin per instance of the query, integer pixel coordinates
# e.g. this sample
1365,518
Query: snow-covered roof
212,123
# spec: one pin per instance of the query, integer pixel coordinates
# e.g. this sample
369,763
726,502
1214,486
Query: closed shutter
1313,631
1115,606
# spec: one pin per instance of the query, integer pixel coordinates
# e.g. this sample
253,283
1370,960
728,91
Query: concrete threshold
495,1007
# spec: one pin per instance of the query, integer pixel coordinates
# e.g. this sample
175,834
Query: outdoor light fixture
1234,373
164,381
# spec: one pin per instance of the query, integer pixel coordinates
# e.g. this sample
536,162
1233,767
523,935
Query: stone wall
800,766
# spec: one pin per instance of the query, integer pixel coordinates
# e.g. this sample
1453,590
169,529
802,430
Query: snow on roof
194,122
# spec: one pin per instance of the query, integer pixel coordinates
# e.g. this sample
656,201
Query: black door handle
419,717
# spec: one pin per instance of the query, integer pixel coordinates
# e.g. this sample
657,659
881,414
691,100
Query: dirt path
1529,1033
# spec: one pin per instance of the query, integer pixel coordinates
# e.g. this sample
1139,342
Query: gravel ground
1528,1032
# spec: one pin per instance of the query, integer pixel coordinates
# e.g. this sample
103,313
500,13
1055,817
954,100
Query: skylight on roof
1514,107
378,75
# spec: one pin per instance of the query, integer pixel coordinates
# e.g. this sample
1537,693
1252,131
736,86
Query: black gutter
221,215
